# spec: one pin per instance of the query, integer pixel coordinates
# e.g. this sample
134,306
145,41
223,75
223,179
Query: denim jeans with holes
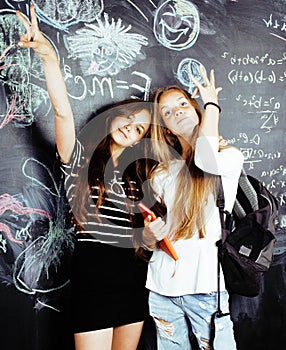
171,316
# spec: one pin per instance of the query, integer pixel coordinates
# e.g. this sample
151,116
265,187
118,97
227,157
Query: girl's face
126,131
177,112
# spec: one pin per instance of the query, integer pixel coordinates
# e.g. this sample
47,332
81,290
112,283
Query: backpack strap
220,201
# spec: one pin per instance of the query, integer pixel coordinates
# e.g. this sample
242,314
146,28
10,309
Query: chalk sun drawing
105,48
177,24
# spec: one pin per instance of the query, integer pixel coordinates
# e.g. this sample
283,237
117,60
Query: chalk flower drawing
105,48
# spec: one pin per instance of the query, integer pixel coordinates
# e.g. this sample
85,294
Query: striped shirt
111,222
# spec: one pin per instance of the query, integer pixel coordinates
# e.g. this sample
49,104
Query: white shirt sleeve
208,157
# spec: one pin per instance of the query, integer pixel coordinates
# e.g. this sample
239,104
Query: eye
140,130
184,103
166,114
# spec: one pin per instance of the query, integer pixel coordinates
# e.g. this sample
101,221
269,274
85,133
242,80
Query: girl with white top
187,143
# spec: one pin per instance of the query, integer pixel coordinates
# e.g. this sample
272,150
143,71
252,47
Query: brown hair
193,185
96,158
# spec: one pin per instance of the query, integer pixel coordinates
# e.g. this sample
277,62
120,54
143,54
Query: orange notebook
165,244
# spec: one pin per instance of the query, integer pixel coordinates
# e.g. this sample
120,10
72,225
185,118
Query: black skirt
108,287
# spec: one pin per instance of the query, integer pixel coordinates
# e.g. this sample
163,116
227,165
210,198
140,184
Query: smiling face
178,113
129,130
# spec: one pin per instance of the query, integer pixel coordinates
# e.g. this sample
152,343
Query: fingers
31,27
34,19
23,20
195,92
204,76
207,88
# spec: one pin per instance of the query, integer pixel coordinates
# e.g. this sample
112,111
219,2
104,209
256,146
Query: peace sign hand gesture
33,38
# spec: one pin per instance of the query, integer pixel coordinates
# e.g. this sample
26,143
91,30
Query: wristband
213,104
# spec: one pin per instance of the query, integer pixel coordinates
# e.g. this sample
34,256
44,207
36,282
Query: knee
163,327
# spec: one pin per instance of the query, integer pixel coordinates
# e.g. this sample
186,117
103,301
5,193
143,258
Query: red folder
165,244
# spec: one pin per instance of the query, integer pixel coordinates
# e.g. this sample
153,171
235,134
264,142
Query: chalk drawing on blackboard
140,10
33,238
186,68
22,76
7,202
177,24
105,48
61,14
13,113
276,24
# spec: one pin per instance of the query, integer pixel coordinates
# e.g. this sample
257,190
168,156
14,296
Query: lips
182,119
122,132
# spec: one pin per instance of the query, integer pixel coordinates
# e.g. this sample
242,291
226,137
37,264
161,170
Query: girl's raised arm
63,115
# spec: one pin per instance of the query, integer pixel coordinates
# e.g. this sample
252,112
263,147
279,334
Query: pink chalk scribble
12,113
7,202
5,228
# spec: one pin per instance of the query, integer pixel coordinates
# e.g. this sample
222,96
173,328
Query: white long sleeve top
196,269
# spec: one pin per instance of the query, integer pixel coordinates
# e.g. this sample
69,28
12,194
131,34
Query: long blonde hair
193,186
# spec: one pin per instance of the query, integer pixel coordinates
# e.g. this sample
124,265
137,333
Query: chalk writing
266,108
245,139
276,184
104,85
257,77
276,171
247,59
253,156
275,23
177,24
259,101
106,48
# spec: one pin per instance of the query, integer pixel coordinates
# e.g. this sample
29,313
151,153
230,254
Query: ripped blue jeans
171,316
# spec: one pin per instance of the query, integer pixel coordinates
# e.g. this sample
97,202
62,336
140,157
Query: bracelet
213,104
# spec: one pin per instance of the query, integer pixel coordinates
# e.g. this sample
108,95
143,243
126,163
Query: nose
178,112
128,127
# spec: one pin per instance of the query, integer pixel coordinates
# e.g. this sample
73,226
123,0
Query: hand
154,231
208,91
222,142
33,38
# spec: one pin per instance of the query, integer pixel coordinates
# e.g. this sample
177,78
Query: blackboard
109,51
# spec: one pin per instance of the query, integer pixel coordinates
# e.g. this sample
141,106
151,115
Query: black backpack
246,249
